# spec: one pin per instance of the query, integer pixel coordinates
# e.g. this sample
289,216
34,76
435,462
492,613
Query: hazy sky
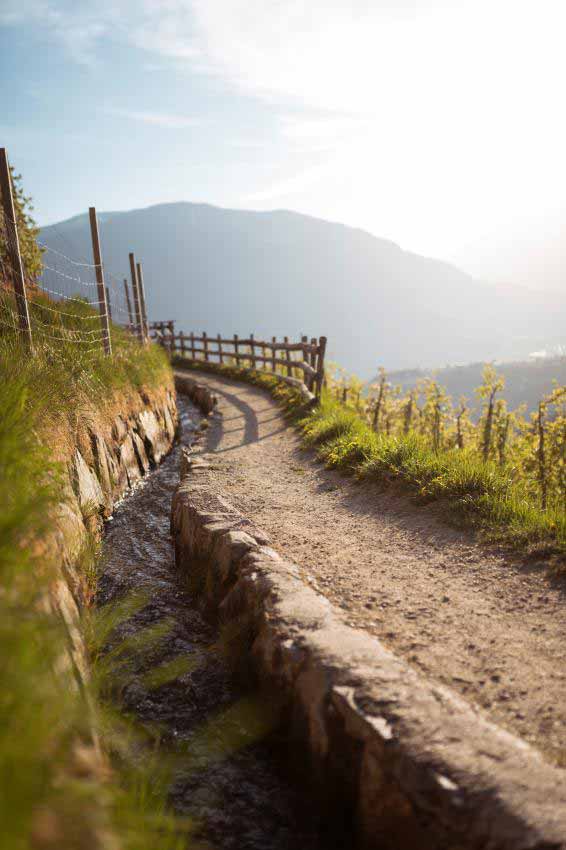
432,123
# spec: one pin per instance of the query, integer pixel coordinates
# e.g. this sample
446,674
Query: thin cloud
158,119
78,29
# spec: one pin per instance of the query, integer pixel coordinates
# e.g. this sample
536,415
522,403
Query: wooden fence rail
308,362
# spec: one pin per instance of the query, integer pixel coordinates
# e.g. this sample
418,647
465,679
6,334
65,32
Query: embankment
111,451
77,430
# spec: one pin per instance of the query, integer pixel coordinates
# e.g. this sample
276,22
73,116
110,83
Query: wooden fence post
182,335
273,354
205,345
128,304
312,361
136,291
101,289
236,350
220,355
252,346
13,248
193,352
288,357
108,303
320,366
142,302
305,359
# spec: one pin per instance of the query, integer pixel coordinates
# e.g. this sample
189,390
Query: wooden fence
303,359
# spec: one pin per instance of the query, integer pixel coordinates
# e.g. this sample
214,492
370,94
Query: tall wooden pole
128,303
312,362
288,357
320,366
13,247
142,302
136,291
108,303
101,289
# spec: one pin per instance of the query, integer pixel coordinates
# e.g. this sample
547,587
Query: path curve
489,628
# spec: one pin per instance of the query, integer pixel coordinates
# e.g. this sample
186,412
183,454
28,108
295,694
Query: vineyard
501,469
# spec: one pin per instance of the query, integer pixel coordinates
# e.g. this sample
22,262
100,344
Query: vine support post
101,288
541,456
137,303
13,247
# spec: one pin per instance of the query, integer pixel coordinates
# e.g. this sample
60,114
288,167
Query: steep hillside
284,273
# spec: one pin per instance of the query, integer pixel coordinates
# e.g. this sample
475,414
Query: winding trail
486,626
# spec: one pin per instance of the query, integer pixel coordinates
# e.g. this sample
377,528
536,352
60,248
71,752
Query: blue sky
435,123
100,120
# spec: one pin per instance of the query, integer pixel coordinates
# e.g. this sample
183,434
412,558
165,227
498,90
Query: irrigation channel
232,772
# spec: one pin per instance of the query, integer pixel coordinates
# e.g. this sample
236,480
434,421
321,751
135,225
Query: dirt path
488,628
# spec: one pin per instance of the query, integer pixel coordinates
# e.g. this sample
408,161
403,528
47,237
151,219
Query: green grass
64,376
53,792
473,493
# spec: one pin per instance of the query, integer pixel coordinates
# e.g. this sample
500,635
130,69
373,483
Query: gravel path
489,628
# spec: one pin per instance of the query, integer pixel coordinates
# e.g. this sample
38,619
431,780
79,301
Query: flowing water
230,776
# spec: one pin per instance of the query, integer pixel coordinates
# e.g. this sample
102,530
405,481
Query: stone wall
106,461
407,761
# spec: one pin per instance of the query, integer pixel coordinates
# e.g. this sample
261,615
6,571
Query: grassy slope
474,493
52,793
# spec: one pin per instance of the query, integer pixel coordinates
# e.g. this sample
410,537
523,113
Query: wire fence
63,302
51,296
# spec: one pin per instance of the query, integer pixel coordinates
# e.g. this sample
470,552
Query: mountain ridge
284,273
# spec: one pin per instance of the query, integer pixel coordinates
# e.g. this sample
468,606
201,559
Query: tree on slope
27,234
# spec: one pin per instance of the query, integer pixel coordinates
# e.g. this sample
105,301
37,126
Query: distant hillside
283,273
525,382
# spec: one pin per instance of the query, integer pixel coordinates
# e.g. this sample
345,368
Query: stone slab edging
410,762
183,384
199,394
